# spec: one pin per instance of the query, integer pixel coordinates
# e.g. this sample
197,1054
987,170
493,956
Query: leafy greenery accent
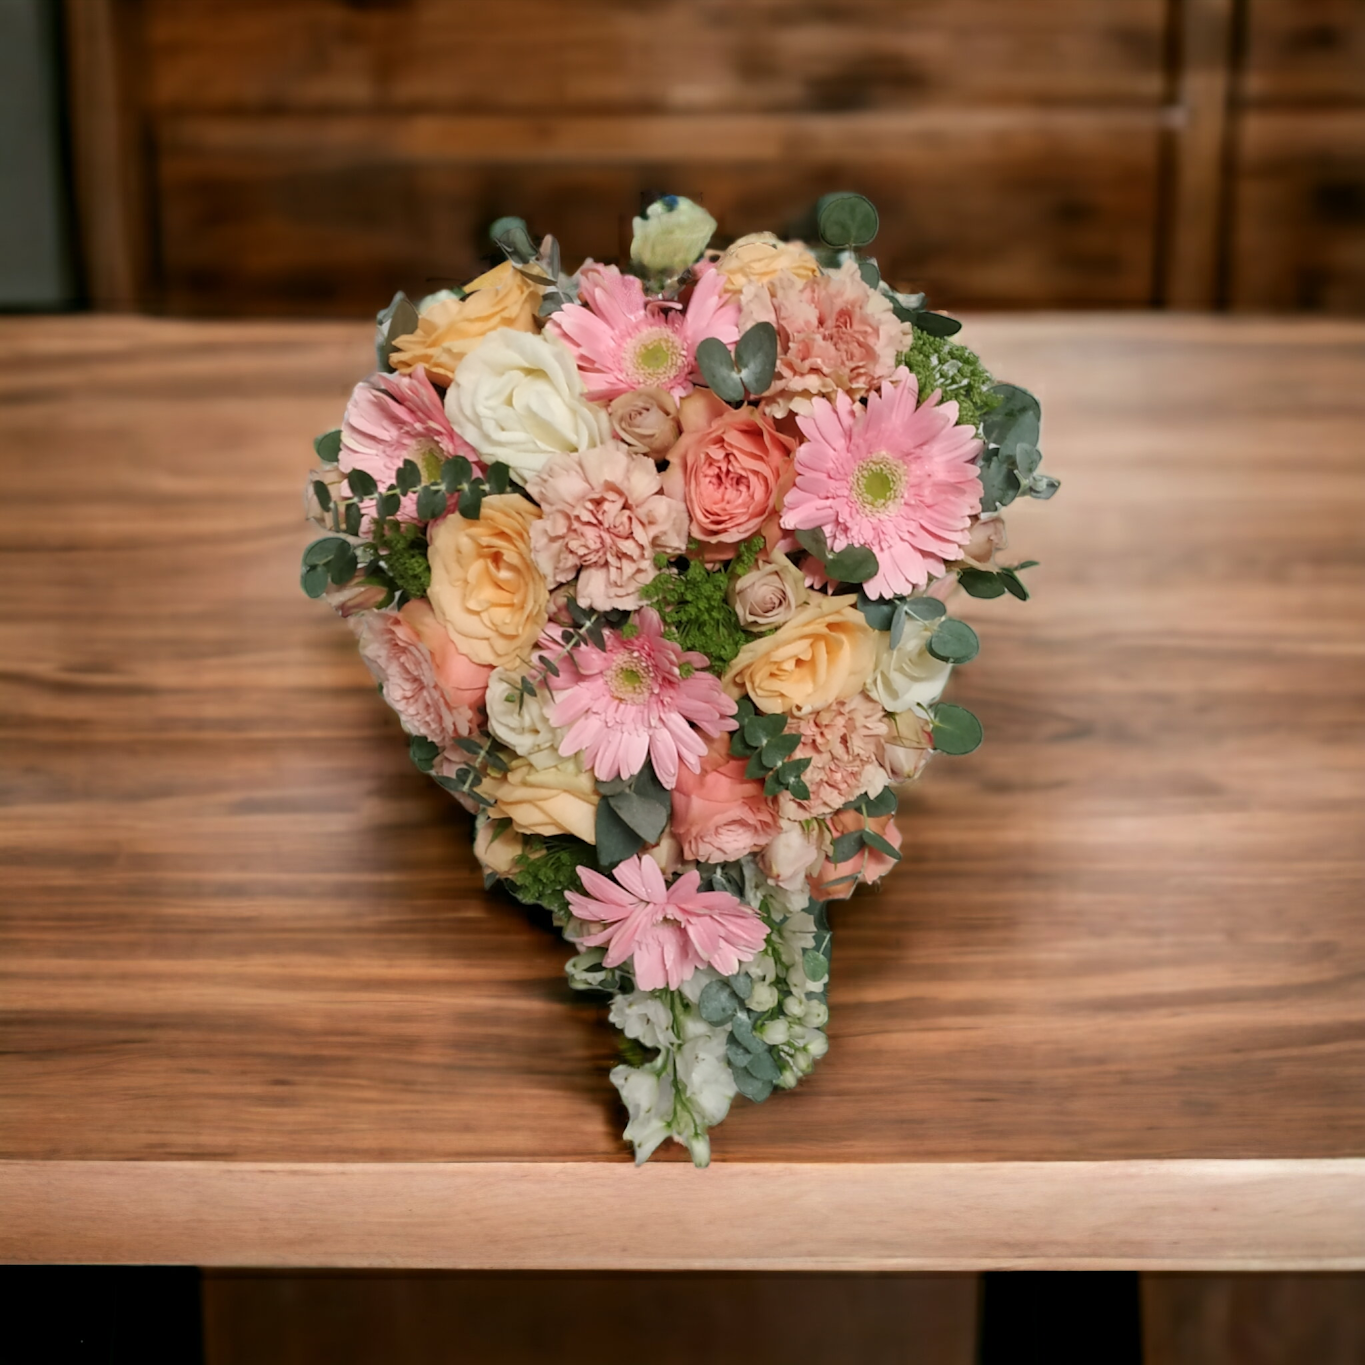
405,558
939,363
694,608
547,867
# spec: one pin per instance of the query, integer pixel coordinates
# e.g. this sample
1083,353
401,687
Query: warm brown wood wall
307,156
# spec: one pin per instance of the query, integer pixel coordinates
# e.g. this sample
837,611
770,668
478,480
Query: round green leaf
314,580
846,220
717,1003
717,367
328,446
954,642
321,551
756,357
925,608
956,730
981,583
856,564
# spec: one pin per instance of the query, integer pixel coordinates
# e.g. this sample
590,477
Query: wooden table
255,1008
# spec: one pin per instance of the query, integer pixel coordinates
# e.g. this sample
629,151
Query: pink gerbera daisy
637,699
623,341
397,417
668,931
896,478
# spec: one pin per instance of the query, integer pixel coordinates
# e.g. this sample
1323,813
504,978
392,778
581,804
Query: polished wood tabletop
246,962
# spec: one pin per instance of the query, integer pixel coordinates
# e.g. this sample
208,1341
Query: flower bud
671,235
762,997
792,1006
816,1014
774,1032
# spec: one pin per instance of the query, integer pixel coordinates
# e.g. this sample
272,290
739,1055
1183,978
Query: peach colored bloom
646,420
719,814
834,334
434,689
731,466
845,743
869,863
604,518
760,258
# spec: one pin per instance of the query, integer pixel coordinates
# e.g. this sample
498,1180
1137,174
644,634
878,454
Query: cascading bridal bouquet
652,564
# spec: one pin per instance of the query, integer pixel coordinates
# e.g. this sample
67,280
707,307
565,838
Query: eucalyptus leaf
798,789
323,494
423,752
856,564
352,518
751,1086
471,504
756,767
362,484
322,551
1014,421
815,965
328,446
869,274
499,476
514,239
344,564
846,846
999,484
615,839
408,477
455,473
780,747
1013,584
878,613
742,984
737,1054
935,324
756,357
397,320
846,219
1043,486
646,817
874,840
761,1064
717,367
812,540
742,1029
389,503
925,608
981,583
1026,459
954,642
884,803
313,580
955,729
717,1003
431,502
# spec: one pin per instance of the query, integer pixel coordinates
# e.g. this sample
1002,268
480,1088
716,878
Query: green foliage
548,867
695,612
405,559
763,740
846,219
939,363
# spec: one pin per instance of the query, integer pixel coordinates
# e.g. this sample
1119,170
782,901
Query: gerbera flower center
631,678
879,484
656,356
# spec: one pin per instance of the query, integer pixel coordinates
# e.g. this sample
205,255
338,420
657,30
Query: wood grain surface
238,926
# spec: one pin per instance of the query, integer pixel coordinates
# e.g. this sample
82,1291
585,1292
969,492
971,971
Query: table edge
1155,1215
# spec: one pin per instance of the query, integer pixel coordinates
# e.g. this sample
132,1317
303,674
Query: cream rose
908,675
558,800
823,654
485,589
769,594
790,855
450,327
762,256
518,719
518,398
497,846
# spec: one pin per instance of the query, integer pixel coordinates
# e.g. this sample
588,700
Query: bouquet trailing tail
654,564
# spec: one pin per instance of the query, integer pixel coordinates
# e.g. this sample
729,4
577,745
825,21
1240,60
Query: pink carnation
604,517
834,335
436,691
665,932
896,478
395,417
846,745
622,341
637,699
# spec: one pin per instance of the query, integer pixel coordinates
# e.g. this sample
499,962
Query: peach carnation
719,814
834,334
846,744
604,517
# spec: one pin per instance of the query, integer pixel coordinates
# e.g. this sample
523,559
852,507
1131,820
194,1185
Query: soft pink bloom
622,341
846,743
899,479
870,864
604,517
718,813
435,690
395,417
834,334
666,932
731,466
630,702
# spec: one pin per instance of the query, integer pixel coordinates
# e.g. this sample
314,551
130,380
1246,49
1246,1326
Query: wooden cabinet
309,156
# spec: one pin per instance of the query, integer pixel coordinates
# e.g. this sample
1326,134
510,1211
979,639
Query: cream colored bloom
672,234
761,257
558,800
769,594
485,589
518,398
518,719
908,675
497,847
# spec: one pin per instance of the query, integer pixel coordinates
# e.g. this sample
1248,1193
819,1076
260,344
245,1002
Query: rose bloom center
879,485
656,357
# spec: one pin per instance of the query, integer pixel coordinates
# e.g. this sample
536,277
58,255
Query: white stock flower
704,1072
644,1016
672,234
518,398
908,675
519,720
647,1093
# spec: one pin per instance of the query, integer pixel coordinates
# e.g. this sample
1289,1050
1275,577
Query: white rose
647,1093
519,720
644,1016
908,675
789,856
518,398
672,234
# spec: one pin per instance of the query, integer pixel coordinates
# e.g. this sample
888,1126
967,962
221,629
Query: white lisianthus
647,1093
643,1015
671,235
908,675
519,720
518,398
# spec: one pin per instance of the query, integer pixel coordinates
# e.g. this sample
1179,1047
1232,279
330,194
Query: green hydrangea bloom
547,868
941,363
405,559
695,611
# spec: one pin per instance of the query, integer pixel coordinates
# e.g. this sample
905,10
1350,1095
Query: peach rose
719,814
730,466
464,681
646,420
558,800
485,588
497,846
986,537
870,864
762,256
825,653
451,328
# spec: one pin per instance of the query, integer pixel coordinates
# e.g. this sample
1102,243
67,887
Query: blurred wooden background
308,156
